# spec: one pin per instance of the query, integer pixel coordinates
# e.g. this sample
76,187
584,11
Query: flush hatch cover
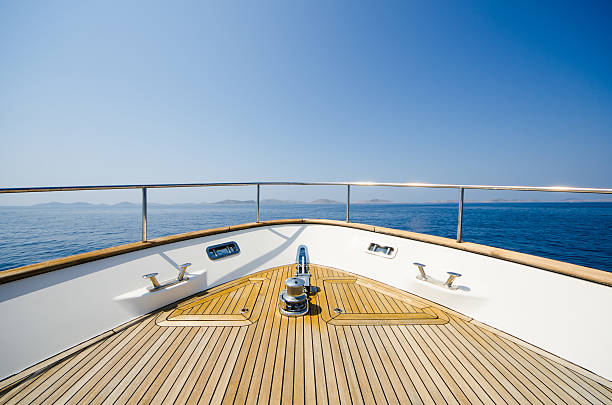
356,301
233,305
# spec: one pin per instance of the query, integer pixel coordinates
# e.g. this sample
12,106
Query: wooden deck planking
113,372
64,388
173,376
393,389
536,380
483,391
525,385
306,360
182,393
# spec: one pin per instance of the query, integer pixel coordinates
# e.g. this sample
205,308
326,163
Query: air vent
222,250
385,251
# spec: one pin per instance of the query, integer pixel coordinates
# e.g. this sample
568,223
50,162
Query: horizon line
320,201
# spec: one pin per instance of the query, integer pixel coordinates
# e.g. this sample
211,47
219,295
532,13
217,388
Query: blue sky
442,91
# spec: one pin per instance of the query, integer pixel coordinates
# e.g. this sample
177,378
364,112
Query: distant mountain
271,201
279,202
375,201
575,200
325,201
504,200
567,200
234,202
126,204
56,204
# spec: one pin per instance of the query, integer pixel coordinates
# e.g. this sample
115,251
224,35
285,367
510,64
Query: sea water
579,233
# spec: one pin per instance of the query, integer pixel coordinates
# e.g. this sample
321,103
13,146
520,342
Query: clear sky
479,92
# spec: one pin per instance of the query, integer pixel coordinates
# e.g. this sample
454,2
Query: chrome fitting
451,277
153,278
423,276
182,269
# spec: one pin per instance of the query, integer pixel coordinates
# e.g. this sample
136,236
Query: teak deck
362,342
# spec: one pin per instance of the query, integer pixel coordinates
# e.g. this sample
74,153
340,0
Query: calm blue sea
579,233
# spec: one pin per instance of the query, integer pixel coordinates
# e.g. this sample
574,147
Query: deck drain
244,310
338,310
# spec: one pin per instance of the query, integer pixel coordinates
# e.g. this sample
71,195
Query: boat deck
362,342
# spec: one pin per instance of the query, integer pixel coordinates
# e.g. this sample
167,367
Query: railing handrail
258,184
559,189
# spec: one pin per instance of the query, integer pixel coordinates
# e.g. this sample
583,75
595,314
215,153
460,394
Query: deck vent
380,250
293,300
222,250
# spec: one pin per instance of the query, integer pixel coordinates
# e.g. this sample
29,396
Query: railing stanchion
348,202
460,216
257,203
144,214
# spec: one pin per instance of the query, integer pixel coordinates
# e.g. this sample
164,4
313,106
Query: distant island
269,201
272,201
377,201
232,202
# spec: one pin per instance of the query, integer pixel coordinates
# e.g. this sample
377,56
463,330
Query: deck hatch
237,304
355,301
222,250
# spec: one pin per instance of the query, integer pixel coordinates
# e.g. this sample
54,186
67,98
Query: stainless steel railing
460,187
